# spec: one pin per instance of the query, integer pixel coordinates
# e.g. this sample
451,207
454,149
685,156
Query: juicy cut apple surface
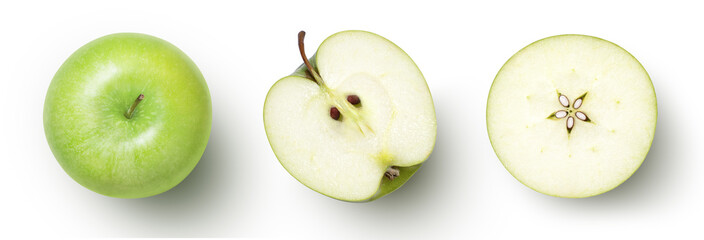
393,125
572,115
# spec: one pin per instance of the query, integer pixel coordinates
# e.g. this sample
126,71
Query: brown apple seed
334,113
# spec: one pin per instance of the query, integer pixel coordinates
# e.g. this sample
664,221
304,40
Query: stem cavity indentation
301,48
131,110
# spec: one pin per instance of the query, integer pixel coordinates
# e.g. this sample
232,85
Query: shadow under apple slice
651,183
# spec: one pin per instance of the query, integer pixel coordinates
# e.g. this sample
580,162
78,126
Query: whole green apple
128,115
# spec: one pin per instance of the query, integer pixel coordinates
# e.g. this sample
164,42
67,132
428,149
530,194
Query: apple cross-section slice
572,115
359,124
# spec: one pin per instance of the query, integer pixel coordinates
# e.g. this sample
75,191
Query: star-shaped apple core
570,111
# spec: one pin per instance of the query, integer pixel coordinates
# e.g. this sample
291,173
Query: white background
240,190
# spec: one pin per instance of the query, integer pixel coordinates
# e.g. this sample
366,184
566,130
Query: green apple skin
103,150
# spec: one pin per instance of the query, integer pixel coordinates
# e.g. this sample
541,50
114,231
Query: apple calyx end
392,172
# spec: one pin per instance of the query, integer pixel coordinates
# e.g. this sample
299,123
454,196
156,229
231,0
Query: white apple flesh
572,116
391,131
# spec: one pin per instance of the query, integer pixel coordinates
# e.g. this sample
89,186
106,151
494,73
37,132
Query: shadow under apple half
355,121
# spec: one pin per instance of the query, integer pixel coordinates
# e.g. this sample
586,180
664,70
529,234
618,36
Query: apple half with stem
128,115
355,121
571,115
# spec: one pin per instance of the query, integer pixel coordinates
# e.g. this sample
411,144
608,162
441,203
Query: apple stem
316,78
130,111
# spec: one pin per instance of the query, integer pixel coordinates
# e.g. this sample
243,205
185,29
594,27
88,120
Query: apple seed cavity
577,103
568,112
561,114
581,116
563,100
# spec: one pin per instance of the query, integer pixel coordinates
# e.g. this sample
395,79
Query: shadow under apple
412,206
651,183
193,205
